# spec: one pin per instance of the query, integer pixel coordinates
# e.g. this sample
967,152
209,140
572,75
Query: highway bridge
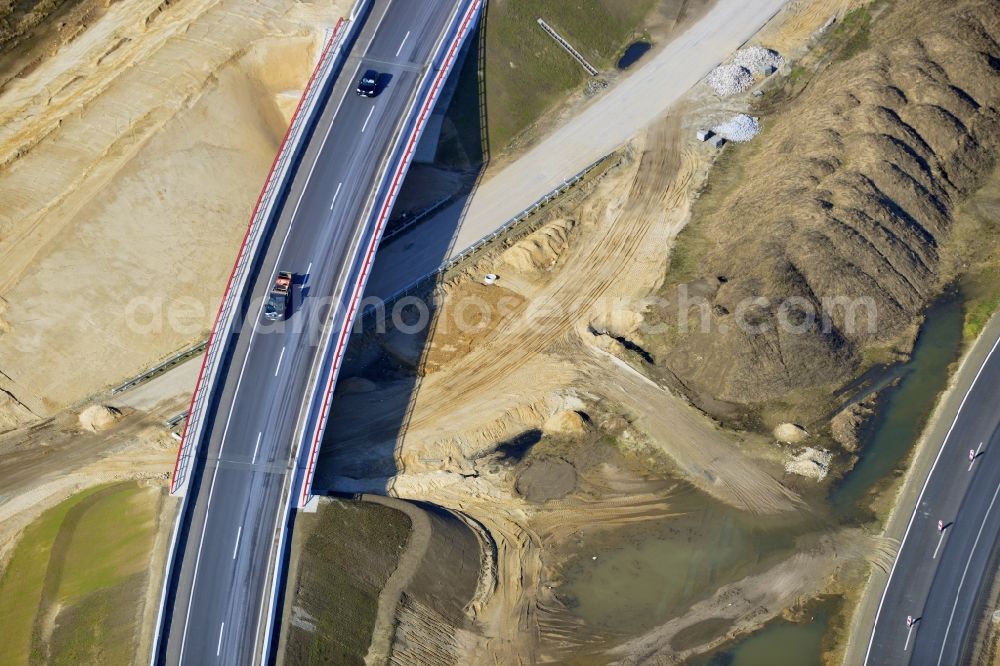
260,405
947,559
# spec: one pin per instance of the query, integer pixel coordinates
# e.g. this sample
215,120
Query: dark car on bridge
368,85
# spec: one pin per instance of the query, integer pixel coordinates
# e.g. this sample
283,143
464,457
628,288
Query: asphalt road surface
940,577
219,592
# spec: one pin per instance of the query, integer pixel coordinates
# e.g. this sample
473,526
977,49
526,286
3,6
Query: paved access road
939,577
219,593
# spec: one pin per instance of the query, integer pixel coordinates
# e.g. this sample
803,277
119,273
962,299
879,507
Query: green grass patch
853,34
527,71
798,73
982,301
100,629
975,250
111,541
349,551
693,242
978,314
23,579
82,554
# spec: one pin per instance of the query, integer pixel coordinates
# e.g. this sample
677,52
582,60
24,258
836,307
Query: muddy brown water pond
779,643
645,574
626,580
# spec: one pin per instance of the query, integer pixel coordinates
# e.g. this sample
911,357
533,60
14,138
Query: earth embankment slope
129,162
849,194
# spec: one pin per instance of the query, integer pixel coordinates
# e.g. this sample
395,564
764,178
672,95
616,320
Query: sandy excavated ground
584,269
129,163
490,384
44,463
50,460
486,386
75,165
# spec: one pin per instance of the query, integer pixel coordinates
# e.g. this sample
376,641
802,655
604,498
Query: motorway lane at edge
933,567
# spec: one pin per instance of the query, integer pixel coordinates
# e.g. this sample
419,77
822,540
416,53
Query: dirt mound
790,433
539,251
566,422
99,417
836,232
846,425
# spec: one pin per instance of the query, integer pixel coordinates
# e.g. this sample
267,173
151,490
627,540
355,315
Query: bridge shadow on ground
381,373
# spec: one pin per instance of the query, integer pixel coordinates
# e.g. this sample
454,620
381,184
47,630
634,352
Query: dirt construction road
485,385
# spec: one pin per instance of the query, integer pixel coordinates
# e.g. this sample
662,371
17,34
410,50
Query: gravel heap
757,57
739,128
730,79
738,76
814,463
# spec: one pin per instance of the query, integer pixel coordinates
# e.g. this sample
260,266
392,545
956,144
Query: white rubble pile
740,128
811,463
757,58
738,76
730,79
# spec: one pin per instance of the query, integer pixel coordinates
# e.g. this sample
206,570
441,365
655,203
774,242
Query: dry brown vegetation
346,553
850,192
20,20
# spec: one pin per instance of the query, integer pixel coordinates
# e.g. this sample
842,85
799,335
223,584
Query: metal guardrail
174,420
418,218
527,212
449,263
173,361
568,47
328,366
277,555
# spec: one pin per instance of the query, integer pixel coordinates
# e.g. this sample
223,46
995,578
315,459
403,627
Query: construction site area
628,429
